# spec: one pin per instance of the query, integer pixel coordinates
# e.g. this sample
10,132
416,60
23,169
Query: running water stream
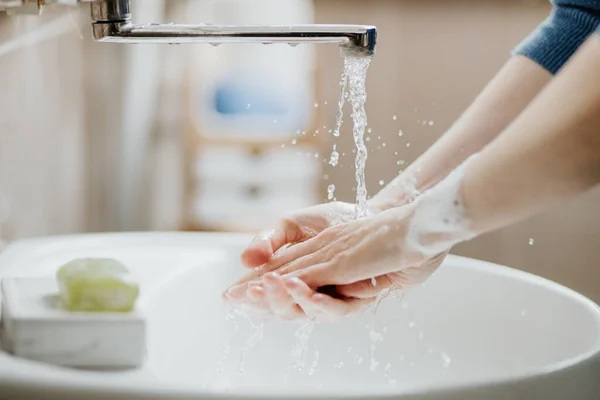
352,88
354,78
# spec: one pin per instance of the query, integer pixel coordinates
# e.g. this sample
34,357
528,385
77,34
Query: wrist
399,192
438,217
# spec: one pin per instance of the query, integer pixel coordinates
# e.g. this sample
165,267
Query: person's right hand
295,228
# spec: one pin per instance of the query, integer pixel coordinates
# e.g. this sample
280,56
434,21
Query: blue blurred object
235,98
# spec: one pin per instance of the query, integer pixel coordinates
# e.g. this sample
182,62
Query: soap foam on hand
74,320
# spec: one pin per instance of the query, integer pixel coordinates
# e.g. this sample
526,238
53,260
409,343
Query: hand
342,257
295,228
291,230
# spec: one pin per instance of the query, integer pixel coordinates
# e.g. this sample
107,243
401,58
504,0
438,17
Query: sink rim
59,242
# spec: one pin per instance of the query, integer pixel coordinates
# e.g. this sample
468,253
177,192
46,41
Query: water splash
313,367
339,117
256,335
300,347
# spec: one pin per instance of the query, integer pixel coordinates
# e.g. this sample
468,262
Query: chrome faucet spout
112,23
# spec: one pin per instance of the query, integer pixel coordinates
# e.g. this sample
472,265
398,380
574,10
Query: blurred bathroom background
107,137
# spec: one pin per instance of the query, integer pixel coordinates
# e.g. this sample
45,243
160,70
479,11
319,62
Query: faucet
111,22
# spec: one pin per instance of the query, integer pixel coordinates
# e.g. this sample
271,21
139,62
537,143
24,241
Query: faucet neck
111,11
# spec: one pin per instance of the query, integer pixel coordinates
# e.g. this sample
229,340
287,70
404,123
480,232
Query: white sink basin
475,331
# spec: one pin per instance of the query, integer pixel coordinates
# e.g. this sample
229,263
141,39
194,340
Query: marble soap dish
33,326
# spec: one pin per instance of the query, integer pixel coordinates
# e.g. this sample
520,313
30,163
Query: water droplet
369,130
248,106
335,156
408,144
360,360
316,105
368,139
395,117
400,133
330,191
411,324
283,145
316,155
523,313
215,44
383,144
339,365
294,141
381,182
373,282
293,44
531,241
325,103
326,176
430,123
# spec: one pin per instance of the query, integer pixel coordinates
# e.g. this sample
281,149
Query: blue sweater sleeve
554,41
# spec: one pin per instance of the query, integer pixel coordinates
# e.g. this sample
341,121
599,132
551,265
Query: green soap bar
96,285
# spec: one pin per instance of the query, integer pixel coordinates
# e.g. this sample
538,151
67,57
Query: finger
302,295
265,244
257,299
339,308
291,254
366,289
315,275
236,293
281,303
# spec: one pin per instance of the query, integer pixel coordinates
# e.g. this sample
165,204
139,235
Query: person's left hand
317,278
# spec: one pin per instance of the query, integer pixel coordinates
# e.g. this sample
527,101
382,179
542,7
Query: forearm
541,54
550,153
513,88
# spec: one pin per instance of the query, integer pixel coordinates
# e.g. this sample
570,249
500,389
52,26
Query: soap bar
34,326
96,284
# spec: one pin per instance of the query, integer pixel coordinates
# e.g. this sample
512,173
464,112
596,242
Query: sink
475,330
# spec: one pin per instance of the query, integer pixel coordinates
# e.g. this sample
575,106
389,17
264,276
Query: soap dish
33,326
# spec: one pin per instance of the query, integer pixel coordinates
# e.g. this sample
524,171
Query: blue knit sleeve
562,33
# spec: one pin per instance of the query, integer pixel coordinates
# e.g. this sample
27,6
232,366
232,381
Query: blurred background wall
83,147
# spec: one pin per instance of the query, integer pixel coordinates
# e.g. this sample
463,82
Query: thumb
266,243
